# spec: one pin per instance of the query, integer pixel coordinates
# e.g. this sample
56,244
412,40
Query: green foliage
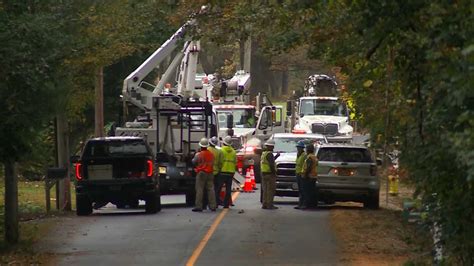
419,51
31,59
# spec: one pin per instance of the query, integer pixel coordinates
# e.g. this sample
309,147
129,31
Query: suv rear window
115,148
340,154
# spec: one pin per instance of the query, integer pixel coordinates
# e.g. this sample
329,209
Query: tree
31,55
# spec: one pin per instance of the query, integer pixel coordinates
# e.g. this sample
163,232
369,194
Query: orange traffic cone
248,183
222,196
252,178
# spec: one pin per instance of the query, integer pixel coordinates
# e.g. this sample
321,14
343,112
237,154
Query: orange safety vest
313,173
205,162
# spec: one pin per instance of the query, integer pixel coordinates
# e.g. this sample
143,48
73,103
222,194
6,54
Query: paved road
246,235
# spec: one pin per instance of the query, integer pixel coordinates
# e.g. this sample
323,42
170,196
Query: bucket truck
172,120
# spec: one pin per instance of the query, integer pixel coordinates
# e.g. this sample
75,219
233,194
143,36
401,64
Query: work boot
272,207
197,210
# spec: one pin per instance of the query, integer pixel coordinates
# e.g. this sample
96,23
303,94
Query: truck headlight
162,169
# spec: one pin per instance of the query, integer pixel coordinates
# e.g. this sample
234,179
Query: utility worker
228,169
300,160
309,177
204,161
213,142
268,170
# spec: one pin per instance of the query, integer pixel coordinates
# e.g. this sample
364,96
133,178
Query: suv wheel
373,200
83,205
153,203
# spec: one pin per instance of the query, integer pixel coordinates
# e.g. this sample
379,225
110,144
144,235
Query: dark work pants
301,196
309,192
224,178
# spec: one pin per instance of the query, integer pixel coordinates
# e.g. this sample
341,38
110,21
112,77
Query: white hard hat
228,140
204,143
270,142
213,141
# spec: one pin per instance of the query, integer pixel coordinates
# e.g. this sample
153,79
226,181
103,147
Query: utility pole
64,185
99,102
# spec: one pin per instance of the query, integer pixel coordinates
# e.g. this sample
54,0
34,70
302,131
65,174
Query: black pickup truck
120,170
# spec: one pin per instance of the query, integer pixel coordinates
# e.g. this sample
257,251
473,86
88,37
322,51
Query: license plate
115,188
344,172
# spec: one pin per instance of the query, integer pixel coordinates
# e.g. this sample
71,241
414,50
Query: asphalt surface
246,235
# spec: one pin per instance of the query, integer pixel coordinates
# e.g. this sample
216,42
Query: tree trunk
241,53
247,55
99,102
284,82
11,203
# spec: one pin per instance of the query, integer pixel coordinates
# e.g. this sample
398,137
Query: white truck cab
247,122
324,115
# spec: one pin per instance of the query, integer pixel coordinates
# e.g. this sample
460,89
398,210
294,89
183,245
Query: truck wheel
373,201
153,203
83,206
134,204
190,198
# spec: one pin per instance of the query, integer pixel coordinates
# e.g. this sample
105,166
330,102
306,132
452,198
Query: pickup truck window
114,148
350,155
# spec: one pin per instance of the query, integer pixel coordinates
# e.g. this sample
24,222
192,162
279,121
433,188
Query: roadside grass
34,223
380,237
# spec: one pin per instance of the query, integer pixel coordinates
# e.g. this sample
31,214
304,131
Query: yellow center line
208,235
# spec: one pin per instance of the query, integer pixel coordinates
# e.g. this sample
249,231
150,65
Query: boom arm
132,91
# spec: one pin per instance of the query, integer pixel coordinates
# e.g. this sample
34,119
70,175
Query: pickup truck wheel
83,206
134,204
373,201
190,198
153,203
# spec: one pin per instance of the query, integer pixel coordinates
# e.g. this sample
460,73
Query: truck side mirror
289,108
74,159
230,121
213,129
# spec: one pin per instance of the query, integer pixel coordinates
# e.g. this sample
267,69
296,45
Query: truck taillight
149,171
78,167
373,170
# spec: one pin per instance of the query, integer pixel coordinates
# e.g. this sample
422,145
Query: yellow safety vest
314,165
217,159
264,164
300,160
229,160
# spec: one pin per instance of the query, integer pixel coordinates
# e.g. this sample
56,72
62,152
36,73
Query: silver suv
285,145
347,173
